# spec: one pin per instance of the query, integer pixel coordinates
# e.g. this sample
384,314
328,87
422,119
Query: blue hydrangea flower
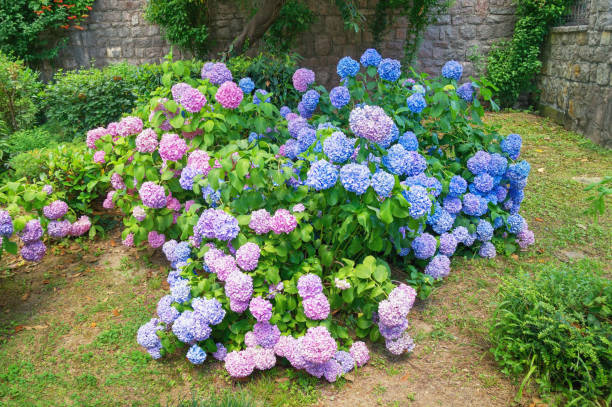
338,148
355,178
165,311
182,251
457,186
339,96
246,84
498,222
471,204
306,138
511,145
466,92
196,355
209,310
438,267
444,222
420,203
253,137
418,88
396,159
321,175
211,197
292,149
416,164
370,57
452,204
479,162
181,291
347,66
284,111
497,165
483,182
383,183
416,103
183,327
310,99
304,111
433,185
409,141
390,69
259,95
518,171
452,70
484,230
516,224
187,177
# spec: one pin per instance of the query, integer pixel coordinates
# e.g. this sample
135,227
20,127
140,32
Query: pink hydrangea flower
282,222
146,142
172,147
229,95
94,135
99,157
247,256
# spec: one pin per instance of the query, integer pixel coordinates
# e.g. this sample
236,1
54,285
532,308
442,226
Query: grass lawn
68,325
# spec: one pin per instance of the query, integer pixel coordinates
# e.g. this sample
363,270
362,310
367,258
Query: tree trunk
257,25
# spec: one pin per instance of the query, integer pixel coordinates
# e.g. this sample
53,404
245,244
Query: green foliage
28,164
512,65
18,88
183,23
270,72
26,140
34,30
419,13
81,100
557,324
294,18
69,168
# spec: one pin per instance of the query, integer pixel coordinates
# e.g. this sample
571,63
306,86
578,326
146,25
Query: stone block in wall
322,45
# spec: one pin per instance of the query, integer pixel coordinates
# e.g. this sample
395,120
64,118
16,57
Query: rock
570,255
587,180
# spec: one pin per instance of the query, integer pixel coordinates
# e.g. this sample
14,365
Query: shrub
80,100
30,164
26,140
557,322
18,88
286,215
270,72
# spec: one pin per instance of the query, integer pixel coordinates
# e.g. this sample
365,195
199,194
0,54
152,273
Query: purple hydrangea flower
318,346
6,224
302,78
359,352
347,363
247,256
438,267
483,182
266,334
316,307
424,246
309,285
487,250
400,345
484,230
172,147
371,123
239,286
479,162
165,311
282,221
239,364
216,73
261,309
32,231
156,239
260,221
466,92
33,251
220,353
448,244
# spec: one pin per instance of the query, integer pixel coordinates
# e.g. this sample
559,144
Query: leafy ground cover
67,324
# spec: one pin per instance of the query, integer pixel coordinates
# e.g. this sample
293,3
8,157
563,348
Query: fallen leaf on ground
540,169
45,281
116,312
165,285
18,328
405,377
349,377
539,220
514,256
539,151
93,324
35,327
25,296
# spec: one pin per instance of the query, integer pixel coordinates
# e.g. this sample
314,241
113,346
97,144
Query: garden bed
68,323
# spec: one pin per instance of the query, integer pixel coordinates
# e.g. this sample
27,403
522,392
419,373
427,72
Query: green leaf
209,126
177,121
363,271
348,295
381,273
385,212
242,167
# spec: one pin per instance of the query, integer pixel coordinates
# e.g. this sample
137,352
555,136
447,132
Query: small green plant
602,192
26,140
555,327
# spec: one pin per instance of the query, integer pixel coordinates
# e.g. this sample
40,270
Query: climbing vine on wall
512,65
419,13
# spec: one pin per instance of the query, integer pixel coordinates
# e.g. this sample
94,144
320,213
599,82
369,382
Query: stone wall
576,79
116,31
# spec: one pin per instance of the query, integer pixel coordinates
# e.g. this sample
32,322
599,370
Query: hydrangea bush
280,224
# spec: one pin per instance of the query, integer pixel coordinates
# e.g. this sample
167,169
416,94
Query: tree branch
257,25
